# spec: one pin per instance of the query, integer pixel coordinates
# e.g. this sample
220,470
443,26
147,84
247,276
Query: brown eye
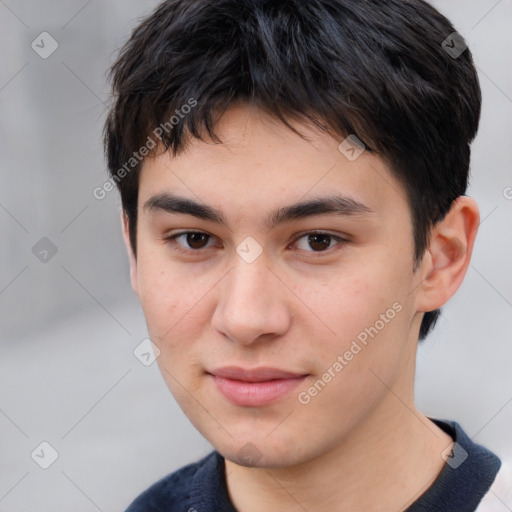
190,241
318,241
196,240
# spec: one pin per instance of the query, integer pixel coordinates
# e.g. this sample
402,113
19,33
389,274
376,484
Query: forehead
262,164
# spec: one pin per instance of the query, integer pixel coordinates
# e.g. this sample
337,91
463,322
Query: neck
390,460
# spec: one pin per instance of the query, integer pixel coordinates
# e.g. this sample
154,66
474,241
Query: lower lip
254,394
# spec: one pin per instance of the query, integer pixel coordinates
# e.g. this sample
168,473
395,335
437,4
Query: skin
360,440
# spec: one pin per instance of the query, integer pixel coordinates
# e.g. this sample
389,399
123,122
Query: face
281,328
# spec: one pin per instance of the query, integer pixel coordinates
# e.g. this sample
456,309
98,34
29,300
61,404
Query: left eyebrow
333,204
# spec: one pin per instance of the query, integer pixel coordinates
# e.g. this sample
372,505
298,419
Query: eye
192,241
319,241
195,241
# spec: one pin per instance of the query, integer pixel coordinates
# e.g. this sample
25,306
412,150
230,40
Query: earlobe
449,254
131,256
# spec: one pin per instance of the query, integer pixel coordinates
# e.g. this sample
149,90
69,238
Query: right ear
133,262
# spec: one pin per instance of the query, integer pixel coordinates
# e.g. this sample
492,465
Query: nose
253,303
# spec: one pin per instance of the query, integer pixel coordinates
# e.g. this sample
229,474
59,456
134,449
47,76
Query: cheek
159,304
173,300
351,303
348,302
173,324
160,294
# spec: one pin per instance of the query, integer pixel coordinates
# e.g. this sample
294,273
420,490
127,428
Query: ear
133,262
447,259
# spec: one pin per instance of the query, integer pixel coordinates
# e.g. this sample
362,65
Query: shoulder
499,496
175,488
465,479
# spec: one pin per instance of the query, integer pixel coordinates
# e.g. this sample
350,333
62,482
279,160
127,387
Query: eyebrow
332,204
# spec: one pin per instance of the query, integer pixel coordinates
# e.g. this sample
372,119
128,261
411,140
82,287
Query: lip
254,387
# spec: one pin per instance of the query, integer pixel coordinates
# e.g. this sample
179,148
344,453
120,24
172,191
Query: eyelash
177,247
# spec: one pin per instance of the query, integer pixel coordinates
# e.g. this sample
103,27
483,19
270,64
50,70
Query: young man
292,177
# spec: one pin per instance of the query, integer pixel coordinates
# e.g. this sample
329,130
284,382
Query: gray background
69,326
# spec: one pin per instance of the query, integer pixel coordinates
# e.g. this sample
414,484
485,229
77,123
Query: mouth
254,387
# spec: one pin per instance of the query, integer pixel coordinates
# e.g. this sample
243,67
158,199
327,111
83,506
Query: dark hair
374,68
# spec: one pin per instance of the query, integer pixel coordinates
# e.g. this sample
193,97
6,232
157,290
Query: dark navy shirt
201,487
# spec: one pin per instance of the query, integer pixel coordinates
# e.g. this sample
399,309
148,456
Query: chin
259,453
